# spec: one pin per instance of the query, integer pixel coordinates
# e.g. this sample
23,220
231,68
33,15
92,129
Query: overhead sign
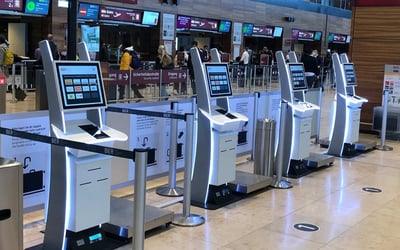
203,24
11,5
140,77
120,14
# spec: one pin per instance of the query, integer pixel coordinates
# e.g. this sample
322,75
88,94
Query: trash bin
264,147
11,205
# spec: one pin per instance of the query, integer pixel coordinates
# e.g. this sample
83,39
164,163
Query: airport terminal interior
213,152
332,199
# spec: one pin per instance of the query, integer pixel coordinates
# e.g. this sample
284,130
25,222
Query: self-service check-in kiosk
215,162
294,147
244,182
314,160
80,186
344,133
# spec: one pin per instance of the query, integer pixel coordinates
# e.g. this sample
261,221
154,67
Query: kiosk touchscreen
219,84
297,76
344,134
349,74
215,162
80,85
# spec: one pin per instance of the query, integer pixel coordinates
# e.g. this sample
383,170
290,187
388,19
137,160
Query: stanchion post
139,199
186,219
171,190
278,181
384,121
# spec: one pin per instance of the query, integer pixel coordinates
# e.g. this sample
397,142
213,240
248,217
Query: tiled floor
332,198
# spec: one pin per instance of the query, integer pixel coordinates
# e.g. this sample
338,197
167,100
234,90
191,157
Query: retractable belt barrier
90,147
68,143
147,113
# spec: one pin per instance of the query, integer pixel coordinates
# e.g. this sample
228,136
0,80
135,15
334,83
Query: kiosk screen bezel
218,76
297,76
349,74
75,93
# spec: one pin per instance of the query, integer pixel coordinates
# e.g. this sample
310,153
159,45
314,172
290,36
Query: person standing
126,60
266,51
163,61
3,47
53,47
245,57
310,68
190,67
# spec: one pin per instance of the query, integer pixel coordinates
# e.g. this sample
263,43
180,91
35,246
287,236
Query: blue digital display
317,36
278,31
224,26
38,7
88,11
95,237
150,18
248,29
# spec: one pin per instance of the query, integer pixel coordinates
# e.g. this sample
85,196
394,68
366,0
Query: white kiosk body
294,147
344,135
80,187
215,161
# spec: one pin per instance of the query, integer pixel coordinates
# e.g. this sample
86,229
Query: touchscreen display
218,79
349,74
297,76
80,84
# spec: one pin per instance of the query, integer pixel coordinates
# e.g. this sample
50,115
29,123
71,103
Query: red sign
145,76
119,14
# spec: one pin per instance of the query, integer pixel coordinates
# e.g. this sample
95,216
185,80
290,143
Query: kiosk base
122,215
297,168
247,182
218,196
319,160
349,150
365,145
93,238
